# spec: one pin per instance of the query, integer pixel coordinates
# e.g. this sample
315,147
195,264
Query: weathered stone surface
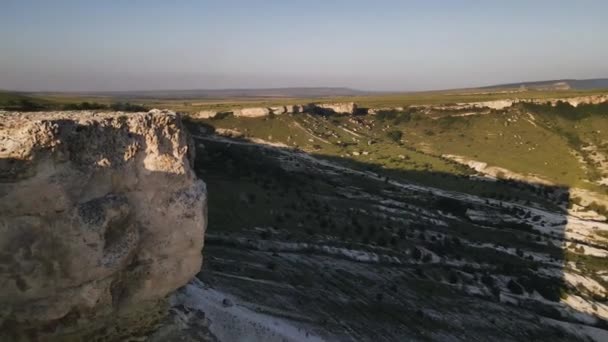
101,214
339,108
278,110
505,103
204,114
374,111
230,133
252,112
496,104
575,101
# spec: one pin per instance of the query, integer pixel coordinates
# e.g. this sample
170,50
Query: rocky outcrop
291,109
230,133
278,110
204,114
502,104
497,104
252,112
339,108
375,111
351,108
575,101
257,112
101,216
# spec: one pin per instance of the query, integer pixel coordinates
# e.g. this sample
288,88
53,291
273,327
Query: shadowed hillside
364,251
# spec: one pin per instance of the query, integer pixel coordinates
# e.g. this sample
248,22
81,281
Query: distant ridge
562,84
319,92
232,93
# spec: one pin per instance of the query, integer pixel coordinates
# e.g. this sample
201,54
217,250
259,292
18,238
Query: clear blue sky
377,45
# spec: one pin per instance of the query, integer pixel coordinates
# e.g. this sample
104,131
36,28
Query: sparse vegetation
384,194
395,135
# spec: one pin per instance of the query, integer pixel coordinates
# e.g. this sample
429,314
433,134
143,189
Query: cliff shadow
433,241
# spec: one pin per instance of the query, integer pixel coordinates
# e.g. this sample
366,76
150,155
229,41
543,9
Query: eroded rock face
205,114
575,101
252,112
290,109
100,215
278,110
339,108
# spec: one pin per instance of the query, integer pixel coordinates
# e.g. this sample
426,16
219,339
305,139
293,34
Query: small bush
515,287
128,107
395,135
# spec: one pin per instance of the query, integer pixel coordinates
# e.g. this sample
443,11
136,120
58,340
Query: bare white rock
278,110
204,114
290,109
339,108
252,112
99,213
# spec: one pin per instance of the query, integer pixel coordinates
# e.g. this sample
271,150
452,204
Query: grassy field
543,145
56,100
511,141
528,141
8,97
396,100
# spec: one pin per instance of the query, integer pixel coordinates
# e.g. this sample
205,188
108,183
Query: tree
394,135
453,278
515,287
416,254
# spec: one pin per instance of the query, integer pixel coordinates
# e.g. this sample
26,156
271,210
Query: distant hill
8,98
320,92
302,92
563,84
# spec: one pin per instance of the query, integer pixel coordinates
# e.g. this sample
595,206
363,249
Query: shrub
128,107
416,254
84,106
453,278
24,105
515,287
386,115
394,135
487,280
451,205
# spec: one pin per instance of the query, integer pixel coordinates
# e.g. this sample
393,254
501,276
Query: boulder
252,112
101,216
575,101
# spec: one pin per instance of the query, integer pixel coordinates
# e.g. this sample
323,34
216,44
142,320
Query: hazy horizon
381,46
181,89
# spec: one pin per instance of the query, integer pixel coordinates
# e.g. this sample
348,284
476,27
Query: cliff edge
101,216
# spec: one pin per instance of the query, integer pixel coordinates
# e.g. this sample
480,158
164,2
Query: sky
116,45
